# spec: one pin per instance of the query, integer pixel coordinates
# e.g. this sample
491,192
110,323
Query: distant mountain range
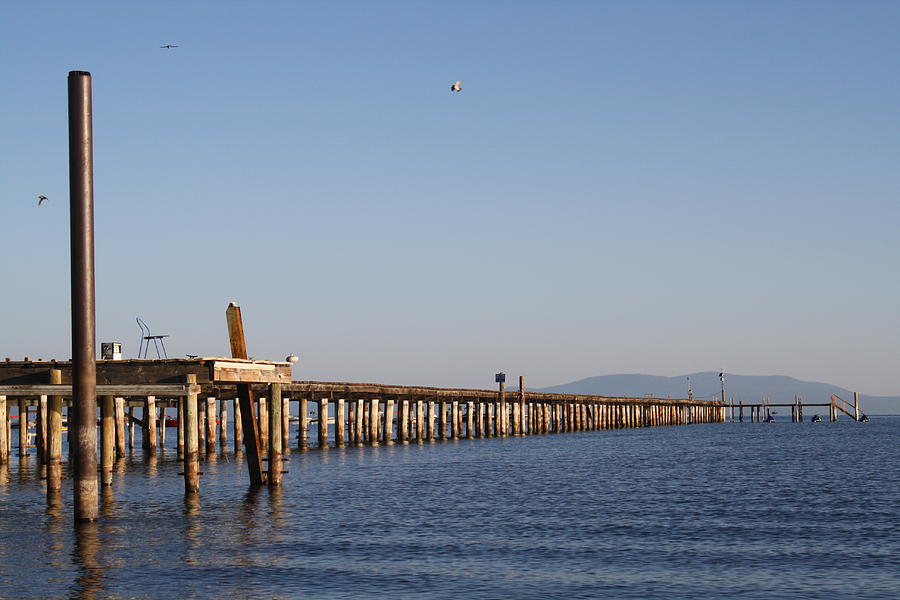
749,388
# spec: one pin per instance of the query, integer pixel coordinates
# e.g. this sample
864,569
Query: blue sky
653,187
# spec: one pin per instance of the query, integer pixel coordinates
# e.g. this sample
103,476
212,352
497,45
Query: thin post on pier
4,432
107,438
275,445
191,439
84,366
303,429
54,436
120,427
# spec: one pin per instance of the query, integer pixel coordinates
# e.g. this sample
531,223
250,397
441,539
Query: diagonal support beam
245,397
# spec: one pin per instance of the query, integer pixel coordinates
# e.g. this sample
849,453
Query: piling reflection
90,581
4,479
57,545
107,502
152,466
193,529
24,474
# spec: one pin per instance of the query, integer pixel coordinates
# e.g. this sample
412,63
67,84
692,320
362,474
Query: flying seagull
170,46
41,198
456,87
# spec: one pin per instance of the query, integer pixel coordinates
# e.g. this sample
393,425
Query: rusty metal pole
84,367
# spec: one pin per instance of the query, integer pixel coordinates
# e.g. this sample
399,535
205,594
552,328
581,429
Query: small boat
171,422
816,419
769,419
864,419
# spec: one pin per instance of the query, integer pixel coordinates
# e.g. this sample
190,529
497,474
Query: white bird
41,198
456,87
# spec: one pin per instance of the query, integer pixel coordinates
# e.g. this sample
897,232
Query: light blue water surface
750,510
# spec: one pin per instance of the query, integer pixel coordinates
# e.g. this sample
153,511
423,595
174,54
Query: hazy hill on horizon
749,388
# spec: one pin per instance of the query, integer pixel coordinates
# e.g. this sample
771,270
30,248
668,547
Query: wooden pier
203,393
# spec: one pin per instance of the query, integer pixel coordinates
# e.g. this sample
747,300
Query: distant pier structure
201,397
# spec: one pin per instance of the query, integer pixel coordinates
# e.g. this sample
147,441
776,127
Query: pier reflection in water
649,513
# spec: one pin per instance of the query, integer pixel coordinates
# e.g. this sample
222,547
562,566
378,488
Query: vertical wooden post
470,420
351,421
210,425
41,430
191,441
388,431
130,427
223,424
276,405
286,425
263,422
54,436
360,422
856,406
339,423
180,428
149,429
303,425
161,425
403,422
442,420
107,438
430,433
374,419
420,421
120,426
23,426
323,423
238,427
4,432
454,420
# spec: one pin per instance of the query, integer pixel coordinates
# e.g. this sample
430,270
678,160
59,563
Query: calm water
708,511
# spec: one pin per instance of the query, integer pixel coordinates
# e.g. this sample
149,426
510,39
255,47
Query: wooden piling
131,426
180,428
4,432
161,425
285,425
209,408
339,423
420,421
263,422
403,422
23,426
238,427
107,438
430,433
442,421
374,420
360,422
223,425
303,425
191,441
276,406
149,429
54,436
388,428
323,423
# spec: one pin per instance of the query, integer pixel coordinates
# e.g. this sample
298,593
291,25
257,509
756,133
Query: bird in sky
456,87
169,46
41,198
